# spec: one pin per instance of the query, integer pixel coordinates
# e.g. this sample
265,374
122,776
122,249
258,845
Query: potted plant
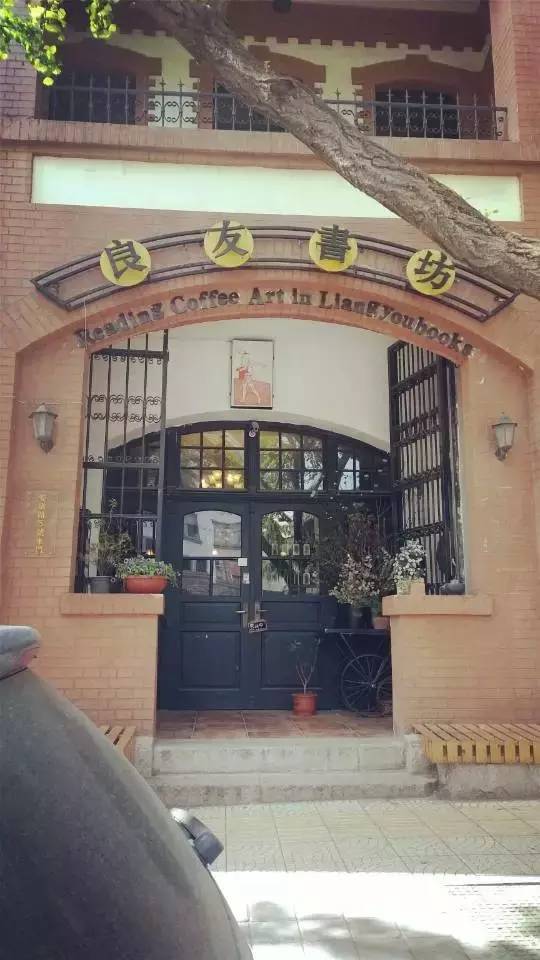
356,533
356,586
384,585
146,574
107,552
407,568
306,651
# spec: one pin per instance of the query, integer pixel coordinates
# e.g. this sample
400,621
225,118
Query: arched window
415,111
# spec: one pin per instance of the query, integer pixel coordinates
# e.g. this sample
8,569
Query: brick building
138,141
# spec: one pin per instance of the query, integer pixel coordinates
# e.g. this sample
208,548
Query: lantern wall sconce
43,423
504,430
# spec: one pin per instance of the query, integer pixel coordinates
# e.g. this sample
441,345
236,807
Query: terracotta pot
381,623
145,584
304,704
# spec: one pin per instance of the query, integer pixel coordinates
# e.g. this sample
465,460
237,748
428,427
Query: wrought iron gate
423,443
124,457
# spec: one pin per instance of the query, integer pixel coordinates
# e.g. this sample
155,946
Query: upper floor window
231,114
94,97
416,112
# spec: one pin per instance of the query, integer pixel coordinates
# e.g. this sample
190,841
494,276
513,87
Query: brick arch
34,318
419,70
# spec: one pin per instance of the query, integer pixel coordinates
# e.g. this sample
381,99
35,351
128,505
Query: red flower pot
145,584
304,704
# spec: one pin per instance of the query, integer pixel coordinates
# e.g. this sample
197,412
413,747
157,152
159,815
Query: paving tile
278,951
430,947
506,828
519,845
255,859
476,845
324,928
369,928
371,863
312,856
332,949
366,844
442,865
420,846
299,833
488,864
282,930
531,862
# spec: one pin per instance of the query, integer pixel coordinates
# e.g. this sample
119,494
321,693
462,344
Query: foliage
306,651
112,545
357,583
147,567
42,30
355,535
408,563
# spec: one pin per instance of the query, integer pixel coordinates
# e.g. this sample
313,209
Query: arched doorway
241,509
248,519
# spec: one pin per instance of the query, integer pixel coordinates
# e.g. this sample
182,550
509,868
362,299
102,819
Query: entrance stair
202,772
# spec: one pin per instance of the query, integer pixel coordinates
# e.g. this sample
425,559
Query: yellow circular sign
125,262
431,272
229,244
333,249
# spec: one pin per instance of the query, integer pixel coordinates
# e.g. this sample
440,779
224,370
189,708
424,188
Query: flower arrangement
146,567
357,582
408,562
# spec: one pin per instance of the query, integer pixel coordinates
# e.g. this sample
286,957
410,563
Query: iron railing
183,108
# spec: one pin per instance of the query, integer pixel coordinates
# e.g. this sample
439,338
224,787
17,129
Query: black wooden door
284,573
241,562
423,443
204,649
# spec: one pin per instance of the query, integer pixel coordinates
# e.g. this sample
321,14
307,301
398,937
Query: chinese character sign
431,272
125,262
333,249
229,244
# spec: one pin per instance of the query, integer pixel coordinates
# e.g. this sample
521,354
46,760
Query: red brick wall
515,30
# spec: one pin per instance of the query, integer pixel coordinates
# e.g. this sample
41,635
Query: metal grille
423,438
113,98
124,458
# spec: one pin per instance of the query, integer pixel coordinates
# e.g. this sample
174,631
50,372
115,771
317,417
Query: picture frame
252,374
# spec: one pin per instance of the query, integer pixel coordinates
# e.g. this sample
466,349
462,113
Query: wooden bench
123,738
480,742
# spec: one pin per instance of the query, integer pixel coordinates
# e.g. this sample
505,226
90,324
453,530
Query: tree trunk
441,214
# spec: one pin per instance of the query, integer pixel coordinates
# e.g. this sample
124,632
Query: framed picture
252,374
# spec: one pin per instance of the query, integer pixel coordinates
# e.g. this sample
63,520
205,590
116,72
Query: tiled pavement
383,879
227,724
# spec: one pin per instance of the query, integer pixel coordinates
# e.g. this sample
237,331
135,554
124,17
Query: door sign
257,626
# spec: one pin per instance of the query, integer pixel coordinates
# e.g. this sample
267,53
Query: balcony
396,113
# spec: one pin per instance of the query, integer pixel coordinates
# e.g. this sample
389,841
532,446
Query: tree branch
441,214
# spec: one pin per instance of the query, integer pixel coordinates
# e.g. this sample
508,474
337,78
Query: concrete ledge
479,605
488,781
112,605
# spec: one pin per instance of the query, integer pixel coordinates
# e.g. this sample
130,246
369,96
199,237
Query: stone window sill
479,605
112,605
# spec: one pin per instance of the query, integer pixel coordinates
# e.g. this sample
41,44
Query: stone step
210,789
278,755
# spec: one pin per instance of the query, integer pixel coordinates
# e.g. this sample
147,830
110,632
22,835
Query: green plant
306,651
112,545
147,567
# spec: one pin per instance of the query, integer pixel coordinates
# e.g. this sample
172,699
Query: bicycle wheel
365,683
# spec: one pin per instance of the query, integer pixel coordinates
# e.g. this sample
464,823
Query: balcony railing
188,109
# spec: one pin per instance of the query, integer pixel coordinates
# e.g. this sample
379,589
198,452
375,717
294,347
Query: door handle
244,615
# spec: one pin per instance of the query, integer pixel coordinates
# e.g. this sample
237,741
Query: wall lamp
43,423
504,430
